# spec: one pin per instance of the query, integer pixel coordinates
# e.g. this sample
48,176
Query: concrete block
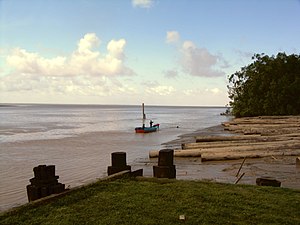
268,181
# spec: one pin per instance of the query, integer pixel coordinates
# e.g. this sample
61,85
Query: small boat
143,129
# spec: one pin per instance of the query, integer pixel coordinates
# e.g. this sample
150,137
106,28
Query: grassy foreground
128,201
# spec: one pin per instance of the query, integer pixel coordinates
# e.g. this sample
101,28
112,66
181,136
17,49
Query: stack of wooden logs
253,137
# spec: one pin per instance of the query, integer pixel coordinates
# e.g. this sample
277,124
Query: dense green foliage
268,86
158,201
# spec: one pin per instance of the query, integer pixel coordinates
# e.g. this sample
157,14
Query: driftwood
225,138
237,150
239,178
258,137
218,156
178,153
237,174
218,144
264,125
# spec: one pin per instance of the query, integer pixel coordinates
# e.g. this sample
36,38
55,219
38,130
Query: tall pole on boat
144,115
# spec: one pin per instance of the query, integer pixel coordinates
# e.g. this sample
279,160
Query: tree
268,86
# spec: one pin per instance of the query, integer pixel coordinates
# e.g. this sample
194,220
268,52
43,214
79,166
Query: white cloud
72,86
172,37
154,88
214,91
150,83
193,92
201,92
161,90
86,71
142,3
116,48
85,60
88,42
32,63
196,61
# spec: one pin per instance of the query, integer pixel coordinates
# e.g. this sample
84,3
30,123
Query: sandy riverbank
282,168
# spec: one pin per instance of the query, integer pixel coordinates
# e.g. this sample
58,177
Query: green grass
155,201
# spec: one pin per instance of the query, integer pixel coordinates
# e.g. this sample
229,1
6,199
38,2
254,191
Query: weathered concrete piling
268,181
44,183
165,168
118,163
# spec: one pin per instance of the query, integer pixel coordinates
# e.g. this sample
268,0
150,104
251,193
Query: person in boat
151,123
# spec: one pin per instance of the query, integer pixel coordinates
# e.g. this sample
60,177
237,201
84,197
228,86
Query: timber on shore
252,137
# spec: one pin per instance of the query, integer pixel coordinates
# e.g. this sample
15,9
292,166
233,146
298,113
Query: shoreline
280,167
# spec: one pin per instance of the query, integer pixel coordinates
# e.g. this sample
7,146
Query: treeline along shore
252,137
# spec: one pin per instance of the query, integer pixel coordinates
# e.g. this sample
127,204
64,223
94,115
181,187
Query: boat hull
147,129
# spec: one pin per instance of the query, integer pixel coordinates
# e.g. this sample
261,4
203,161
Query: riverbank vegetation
268,86
160,201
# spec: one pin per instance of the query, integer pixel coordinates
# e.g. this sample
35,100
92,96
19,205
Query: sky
160,52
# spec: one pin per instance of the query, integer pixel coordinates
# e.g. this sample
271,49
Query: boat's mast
144,115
